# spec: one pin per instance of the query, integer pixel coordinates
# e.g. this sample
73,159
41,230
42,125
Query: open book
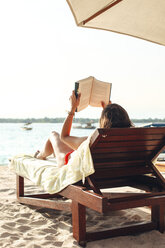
92,92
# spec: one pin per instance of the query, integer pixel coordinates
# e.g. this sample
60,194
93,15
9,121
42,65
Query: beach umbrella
143,19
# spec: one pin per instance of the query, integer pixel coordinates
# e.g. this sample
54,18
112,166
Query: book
92,91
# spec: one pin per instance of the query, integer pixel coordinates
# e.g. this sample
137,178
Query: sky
43,52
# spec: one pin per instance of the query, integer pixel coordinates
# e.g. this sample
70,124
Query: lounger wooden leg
158,217
20,186
79,222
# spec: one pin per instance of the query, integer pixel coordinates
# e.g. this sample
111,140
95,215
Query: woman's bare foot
38,155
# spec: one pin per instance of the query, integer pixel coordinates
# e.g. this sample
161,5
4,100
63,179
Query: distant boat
27,126
28,123
87,125
156,124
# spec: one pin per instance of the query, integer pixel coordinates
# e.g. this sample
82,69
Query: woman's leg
46,151
60,148
57,147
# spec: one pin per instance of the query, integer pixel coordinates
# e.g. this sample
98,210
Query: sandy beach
33,227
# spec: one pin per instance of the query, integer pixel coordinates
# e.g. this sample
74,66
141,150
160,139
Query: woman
113,115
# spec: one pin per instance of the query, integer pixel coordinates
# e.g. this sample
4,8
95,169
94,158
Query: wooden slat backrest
125,151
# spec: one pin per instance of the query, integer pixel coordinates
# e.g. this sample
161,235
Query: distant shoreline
76,120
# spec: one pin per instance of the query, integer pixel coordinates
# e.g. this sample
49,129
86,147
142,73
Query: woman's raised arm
72,141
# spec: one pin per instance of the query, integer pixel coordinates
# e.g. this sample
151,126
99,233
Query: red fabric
66,157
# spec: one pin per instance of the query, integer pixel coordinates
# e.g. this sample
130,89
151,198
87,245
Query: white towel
46,174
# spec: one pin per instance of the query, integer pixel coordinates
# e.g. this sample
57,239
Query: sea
14,140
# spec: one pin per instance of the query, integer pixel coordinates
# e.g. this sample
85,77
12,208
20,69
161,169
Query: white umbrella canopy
143,19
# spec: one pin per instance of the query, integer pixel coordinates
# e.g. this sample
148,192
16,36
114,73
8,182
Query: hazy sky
43,52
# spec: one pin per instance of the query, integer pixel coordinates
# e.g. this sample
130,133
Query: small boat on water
27,126
87,125
156,124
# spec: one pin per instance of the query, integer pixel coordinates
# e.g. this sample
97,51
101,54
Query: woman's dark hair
113,115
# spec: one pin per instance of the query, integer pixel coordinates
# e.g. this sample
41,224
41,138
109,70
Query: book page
100,92
84,87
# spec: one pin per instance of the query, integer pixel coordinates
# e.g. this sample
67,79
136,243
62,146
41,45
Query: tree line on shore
76,120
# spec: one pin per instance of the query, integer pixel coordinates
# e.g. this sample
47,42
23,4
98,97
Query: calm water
14,140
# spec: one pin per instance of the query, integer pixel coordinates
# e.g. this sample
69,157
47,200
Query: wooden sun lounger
122,157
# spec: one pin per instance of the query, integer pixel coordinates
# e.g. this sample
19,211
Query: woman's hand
74,102
104,105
